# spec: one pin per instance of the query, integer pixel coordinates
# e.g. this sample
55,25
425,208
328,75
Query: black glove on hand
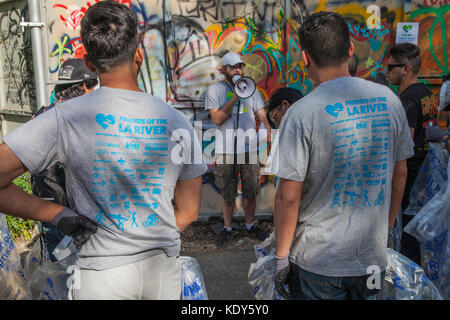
434,134
74,225
281,275
390,243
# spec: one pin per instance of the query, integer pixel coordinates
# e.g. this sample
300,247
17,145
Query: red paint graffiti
432,3
74,17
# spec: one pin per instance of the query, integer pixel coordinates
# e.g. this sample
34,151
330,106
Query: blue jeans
304,285
51,236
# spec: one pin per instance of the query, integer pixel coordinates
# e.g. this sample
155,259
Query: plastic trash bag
260,274
430,180
51,280
12,277
37,257
192,280
431,229
405,280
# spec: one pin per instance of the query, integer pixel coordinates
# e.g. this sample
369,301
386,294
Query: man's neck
331,73
122,77
406,83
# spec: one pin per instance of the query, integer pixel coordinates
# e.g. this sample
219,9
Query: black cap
73,71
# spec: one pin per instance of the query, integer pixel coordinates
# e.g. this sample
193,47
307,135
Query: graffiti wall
183,41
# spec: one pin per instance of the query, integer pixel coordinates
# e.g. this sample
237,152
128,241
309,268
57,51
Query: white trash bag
260,274
12,277
431,179
405,280
431,228
193,284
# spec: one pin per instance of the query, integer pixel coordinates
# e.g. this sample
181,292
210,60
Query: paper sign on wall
407,32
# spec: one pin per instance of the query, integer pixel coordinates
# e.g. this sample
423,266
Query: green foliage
20,228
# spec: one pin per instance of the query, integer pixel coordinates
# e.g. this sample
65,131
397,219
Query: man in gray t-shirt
126,155
341,159
235,157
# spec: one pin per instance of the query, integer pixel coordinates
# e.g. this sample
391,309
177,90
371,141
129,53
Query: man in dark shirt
421,109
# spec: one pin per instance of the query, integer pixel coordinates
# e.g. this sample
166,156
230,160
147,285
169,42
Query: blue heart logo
105,121
334,110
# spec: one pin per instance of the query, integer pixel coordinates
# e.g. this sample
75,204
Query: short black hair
291,95
407,53
109,32
326,38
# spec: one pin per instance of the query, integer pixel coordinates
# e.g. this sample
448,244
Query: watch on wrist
444,141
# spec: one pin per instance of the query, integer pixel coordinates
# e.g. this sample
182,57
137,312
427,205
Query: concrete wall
17,93
184,40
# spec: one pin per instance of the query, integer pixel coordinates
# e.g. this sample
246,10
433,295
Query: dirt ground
201,236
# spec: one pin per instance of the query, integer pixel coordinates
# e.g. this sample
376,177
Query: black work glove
434,134
281,276
74,225
390,242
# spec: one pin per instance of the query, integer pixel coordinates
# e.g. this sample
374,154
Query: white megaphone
244,87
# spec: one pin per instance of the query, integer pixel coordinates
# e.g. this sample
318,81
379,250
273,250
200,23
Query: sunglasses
237,66
390,67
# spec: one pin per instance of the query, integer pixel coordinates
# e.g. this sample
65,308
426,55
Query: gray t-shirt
342,140
217,97
121,167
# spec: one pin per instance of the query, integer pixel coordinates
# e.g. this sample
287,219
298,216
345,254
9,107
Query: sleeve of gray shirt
405,144
212,100
258,102
195,164
35,143
291,155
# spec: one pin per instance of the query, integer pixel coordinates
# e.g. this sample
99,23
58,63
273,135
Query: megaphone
244,87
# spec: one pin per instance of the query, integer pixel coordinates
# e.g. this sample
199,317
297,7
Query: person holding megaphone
233,104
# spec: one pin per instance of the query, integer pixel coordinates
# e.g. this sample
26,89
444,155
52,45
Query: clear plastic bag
192,280
405,280
260,274
12,277
430,180
431,228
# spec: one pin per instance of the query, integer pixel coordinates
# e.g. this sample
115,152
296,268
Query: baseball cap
232,59
73,71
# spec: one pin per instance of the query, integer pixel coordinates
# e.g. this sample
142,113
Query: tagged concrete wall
183,41
17,92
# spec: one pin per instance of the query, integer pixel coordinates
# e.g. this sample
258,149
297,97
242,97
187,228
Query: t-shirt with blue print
123,153
342,140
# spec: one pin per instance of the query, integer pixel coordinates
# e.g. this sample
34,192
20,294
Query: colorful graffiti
183,41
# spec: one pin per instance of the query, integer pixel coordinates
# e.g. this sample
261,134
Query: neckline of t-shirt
339,79
127,91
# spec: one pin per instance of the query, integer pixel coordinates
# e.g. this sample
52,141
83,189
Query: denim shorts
305,285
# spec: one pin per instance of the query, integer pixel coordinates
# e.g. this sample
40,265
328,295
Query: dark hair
70,91
289,94
326,38
109,32
407,53
353,64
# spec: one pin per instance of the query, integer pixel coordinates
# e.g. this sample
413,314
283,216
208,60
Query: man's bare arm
187,201
13,200
398,186
261,114
287,203
219,116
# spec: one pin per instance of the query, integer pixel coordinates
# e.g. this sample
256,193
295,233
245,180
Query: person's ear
139,57
306,58
89,64
351,49
285,104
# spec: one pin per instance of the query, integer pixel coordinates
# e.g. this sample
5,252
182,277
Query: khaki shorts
227,182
